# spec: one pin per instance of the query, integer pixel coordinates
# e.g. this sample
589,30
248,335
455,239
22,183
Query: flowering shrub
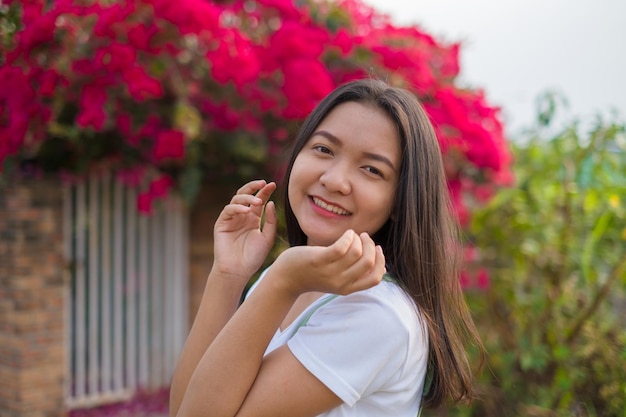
552,317
169,94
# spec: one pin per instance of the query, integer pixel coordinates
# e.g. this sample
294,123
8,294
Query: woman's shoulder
381,319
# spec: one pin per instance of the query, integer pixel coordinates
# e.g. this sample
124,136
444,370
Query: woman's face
345,176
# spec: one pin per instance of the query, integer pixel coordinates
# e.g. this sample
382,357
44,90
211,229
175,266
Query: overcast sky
517,49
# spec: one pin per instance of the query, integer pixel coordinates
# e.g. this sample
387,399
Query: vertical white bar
68,329
118,237
177,283
94,265
155,276
173,279
168,278
131,289
144,296
106,284
183,278
80,353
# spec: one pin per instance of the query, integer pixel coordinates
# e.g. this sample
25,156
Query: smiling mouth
330,207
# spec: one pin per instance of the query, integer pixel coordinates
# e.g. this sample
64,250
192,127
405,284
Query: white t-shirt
369,348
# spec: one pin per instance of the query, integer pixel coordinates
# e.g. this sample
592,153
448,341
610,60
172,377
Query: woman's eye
374,171
322,149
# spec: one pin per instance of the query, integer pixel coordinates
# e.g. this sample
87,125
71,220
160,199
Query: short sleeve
363,342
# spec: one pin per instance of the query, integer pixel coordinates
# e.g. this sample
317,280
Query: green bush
554,246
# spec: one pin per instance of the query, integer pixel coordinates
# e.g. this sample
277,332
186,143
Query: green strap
303,322
430,375
428,382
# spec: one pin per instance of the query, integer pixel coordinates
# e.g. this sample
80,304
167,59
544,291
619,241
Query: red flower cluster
169,78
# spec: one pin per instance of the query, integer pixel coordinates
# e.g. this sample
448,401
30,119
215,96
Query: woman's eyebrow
337,142
334,139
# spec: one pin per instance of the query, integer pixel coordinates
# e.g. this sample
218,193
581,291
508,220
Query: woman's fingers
266,191
252,187
232,210
259,188
355,262
249,199
342,249
368,269
246,200
271,221
254,194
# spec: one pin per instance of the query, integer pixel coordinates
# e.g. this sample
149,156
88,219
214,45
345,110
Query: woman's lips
333,208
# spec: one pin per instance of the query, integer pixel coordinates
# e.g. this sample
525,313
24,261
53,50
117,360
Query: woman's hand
241,245
353,263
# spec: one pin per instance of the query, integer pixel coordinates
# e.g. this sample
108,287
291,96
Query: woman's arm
219,302
233,379
240,248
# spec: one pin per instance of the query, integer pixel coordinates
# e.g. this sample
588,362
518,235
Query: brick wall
31,300
32,286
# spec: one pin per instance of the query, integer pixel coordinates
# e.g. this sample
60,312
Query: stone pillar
32,359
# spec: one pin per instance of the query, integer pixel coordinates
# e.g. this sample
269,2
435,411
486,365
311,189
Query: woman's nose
335,178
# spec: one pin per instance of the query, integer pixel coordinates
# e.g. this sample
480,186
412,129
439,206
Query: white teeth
330,208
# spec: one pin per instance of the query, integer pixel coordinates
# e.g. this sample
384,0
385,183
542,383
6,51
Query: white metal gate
126,315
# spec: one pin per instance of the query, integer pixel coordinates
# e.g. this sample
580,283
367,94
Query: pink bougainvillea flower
113,17
84,66
93,98
190,16
302,94
39,31
169,144
142,36
455,187
481,150
161,186
115,57
49,80
141,86
222,116
482,279
449,61
413,64
31,10
344,41
234,60
144,203
294,41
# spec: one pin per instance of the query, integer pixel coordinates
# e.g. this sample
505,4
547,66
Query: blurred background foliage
554,245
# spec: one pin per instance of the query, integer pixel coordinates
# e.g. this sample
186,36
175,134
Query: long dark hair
420,239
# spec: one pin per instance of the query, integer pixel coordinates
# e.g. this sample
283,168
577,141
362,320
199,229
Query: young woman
363,315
